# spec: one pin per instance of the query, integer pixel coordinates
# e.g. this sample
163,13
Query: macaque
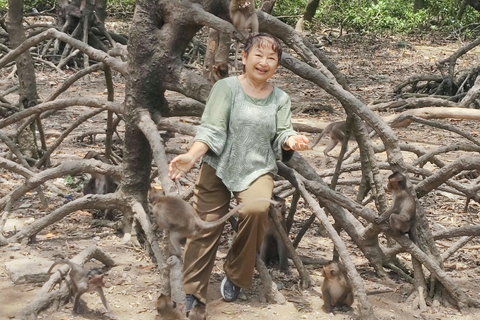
198,312
98,183
178,216
119,50
219,71
168,309
242,13
273,248
336,287
402,213
337,133
82,281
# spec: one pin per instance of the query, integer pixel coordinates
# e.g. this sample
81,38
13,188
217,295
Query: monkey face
96,280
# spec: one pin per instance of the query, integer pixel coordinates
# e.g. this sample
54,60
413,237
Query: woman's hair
264,40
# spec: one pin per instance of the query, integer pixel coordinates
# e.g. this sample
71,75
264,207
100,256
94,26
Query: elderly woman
246,127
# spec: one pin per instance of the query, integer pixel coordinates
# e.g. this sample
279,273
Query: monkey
336,287
119,50
98,183
168,309
337,133
83,281
219,71
401,215
242,13
180,218
273,248
198,312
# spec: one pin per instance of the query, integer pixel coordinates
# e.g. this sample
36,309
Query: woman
246,127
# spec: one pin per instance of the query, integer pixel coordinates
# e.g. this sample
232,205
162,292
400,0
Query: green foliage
121,8
393,15
289,10
40,5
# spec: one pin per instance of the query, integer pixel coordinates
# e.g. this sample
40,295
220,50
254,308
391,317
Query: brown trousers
211,201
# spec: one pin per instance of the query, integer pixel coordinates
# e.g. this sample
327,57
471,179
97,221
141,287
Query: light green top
244,134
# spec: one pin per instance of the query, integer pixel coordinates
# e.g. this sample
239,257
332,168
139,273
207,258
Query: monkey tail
213,224
59,262
325,131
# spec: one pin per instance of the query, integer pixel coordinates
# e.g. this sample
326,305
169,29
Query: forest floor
373,67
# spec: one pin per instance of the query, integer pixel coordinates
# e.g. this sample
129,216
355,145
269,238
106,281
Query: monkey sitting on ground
168,309
273,248
82,281
336,288
98,183
337,133
178,216
219,71
402,213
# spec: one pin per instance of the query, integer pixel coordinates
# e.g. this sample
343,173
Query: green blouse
244,134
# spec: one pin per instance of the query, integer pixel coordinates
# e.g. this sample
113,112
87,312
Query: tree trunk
310,9
475,4
267,6
418,5
26,75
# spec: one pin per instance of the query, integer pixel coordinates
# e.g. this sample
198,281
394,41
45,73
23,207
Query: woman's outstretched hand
297,143
181,164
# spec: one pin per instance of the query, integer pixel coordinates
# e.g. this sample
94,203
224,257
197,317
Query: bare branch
61,104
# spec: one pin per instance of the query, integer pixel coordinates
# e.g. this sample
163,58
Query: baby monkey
219,71
402,213
98,183
178,216
83,281
168,309
336,288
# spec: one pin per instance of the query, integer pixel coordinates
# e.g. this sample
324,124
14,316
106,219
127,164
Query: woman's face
260,62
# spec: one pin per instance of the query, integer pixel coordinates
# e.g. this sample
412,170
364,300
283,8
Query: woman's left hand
297,143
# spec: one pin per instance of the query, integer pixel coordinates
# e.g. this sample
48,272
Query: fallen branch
398,121
90,201
98,55
60,104
67,168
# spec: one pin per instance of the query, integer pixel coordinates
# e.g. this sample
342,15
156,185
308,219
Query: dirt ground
373,66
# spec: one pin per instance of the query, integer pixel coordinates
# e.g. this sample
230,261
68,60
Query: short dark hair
263,40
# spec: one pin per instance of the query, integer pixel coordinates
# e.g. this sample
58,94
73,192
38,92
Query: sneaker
229,290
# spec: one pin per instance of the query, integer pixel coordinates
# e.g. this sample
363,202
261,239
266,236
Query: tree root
268,292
